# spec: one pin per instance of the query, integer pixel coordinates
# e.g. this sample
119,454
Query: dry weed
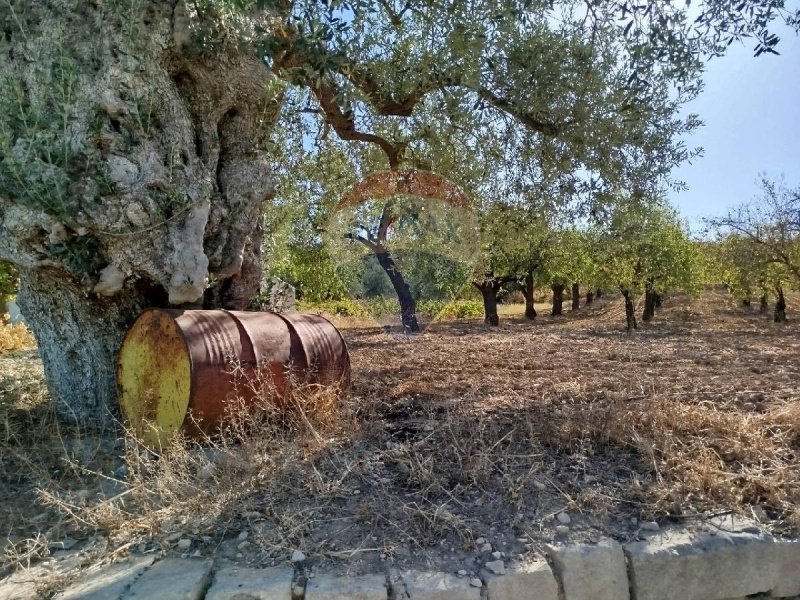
14,337
459,433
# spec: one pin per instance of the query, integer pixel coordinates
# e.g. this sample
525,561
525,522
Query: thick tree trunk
78,338
489,294
630,312
576,296
780,306
598,294
558,299
528,289
746,302
408,305
151,196
589,297
763,304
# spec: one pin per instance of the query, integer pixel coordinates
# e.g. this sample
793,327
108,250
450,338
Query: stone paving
670,565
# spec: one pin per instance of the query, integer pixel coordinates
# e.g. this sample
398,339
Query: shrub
14,337
462,309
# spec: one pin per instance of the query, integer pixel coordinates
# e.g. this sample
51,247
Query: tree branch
376,248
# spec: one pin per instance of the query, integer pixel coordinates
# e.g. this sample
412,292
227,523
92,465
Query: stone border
669,565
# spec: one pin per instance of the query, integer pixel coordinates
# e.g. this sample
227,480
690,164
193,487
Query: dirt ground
454,444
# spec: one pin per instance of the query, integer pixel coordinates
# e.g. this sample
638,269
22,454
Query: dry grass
14,337
459,433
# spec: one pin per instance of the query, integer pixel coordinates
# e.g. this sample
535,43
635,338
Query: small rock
184,543
243,545
487,547
462,573
497,567
562,530
206,473
497,555
480,541
242,536
475,582
649,526
298,556
563,518
66,544
174,536
539,486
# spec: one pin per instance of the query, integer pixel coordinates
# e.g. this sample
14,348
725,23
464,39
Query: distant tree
644,249
761,244
513,240
568,263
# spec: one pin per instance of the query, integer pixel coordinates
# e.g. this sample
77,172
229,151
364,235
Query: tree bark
780,306
763,304
630,312
152,196
576,296
79,337
408,305
746,302
650,301
558,299
598,294
489,293
589,297
528,290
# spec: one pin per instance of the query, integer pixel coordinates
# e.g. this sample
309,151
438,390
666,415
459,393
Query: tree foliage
762,238
9,281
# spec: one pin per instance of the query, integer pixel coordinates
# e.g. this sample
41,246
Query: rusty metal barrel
180,369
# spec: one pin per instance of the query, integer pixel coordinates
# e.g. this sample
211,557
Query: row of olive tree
759,246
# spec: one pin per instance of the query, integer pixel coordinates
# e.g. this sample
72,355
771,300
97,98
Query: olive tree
761,244
643,248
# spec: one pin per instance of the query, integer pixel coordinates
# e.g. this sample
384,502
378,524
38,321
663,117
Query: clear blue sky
751,110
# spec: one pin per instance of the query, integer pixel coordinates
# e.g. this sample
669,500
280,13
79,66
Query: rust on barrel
179,369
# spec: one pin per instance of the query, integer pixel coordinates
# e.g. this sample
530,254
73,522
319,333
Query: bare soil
460,433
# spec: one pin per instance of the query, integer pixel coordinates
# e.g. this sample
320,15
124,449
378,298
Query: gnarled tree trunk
528,290
576,296
558,299
489,294
408,305
589,297
630,312
149,190
780,305
650,302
